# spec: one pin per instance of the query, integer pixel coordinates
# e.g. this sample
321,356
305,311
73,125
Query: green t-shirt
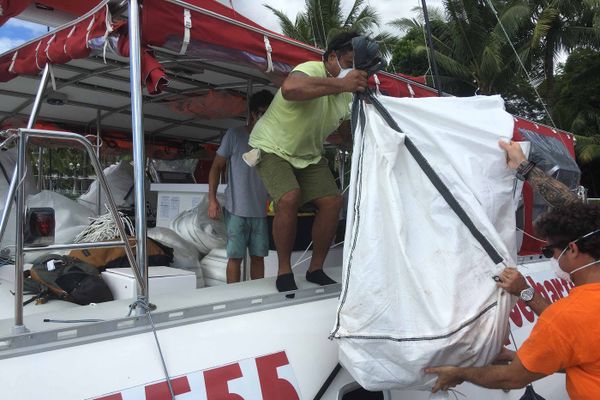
296,130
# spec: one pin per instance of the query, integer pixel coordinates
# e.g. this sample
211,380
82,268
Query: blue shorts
246,232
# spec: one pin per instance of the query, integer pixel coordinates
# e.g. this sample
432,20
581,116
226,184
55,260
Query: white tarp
417,288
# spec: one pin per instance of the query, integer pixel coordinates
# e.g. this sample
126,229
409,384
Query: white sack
185,255
417,288
195,227
120,179
8,161
214,265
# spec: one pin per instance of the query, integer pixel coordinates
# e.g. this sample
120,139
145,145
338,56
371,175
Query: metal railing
22,135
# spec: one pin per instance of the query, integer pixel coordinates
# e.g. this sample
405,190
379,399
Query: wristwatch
524,169
527,294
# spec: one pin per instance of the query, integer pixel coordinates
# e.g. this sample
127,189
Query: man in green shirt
313,102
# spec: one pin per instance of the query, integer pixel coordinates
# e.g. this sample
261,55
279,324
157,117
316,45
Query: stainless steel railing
22,136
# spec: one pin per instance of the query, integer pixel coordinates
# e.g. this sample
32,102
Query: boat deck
248,292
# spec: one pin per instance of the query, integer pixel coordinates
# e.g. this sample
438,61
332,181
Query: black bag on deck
70,279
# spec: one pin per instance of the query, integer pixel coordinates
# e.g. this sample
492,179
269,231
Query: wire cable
539,97
146,307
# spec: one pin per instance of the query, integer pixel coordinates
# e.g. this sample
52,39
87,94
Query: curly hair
260,99
565,224
340,43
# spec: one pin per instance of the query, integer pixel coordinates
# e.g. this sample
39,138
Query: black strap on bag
437,182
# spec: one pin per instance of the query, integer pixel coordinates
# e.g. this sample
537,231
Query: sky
15,31
388,9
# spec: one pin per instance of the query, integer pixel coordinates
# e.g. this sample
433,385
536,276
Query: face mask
343,71
585,266
560,274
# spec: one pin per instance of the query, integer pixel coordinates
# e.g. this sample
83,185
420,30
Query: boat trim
38,342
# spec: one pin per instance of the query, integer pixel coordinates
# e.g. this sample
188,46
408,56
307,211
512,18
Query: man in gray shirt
245,196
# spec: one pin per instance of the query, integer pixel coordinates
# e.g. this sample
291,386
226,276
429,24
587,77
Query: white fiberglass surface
62,310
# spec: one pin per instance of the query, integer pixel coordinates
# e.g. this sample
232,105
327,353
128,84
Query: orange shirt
567,336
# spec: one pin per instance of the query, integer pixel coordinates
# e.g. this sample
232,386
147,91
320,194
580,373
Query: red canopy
57,47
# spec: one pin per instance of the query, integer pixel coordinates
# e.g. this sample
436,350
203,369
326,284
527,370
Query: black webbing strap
328,382
437,182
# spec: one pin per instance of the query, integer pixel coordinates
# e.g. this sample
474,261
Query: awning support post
137,127
99,191
20,211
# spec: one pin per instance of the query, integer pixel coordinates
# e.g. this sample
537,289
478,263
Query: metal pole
20,175
35,110
436,76
20,218
9,197
40,182
135,77
98,188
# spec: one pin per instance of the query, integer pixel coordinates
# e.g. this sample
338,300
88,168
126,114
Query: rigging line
322,24
489,3
301,259
426,50
143,304
531,236
312,27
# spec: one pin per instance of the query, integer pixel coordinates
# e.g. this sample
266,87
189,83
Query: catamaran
118,68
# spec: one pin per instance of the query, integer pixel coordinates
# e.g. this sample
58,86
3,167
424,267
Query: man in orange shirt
566,334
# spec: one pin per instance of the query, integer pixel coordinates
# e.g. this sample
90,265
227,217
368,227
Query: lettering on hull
267,377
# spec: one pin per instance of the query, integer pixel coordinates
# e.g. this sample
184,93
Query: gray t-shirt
245,195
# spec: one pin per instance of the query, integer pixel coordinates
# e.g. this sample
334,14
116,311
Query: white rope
103,229
48,47
37,48
12,64
377,83
187,26
269,51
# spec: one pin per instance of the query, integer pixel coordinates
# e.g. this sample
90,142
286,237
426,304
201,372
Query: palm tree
471,48
562,25
322,19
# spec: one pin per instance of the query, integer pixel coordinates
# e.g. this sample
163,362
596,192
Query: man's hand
448,377
214,209
355,81
514,153
512,281
504,357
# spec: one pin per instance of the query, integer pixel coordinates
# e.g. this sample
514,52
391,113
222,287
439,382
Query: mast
436,76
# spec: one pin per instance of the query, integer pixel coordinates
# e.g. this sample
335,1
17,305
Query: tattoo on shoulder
553,191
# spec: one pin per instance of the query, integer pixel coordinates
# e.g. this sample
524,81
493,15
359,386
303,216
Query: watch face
527,294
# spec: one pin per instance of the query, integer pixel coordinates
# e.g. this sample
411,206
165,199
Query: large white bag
120,179
197,228
417,287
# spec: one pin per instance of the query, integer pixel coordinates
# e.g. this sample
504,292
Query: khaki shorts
279,177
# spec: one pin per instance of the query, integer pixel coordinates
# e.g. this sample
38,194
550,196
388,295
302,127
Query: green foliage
322,19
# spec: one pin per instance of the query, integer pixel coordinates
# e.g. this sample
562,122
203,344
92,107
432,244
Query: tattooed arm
553,191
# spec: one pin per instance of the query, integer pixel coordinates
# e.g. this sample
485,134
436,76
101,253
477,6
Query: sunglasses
548,251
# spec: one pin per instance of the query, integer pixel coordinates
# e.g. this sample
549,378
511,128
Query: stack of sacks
195,227
214,267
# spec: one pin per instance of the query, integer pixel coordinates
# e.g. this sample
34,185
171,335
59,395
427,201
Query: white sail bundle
418,287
